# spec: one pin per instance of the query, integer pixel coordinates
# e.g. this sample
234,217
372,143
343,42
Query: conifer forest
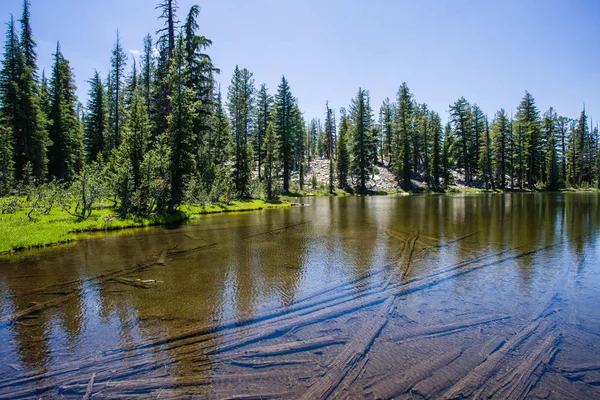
158,131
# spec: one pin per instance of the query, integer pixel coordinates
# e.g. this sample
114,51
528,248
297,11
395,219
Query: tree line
157,131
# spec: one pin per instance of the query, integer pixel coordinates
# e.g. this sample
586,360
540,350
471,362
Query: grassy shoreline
18,233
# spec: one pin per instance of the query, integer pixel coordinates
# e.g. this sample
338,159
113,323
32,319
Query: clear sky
490,52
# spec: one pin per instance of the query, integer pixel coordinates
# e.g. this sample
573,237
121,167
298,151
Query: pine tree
147,71
202,82
271,160
31,135
563,128
299,137
6,162
386,120
9,98
485,157
530,135
284,104
402,155
329,133
460,115
96,120
477,146
264,106
500,139
166,45
136,136
549,128
436,149
362,143
118,62
343,150
131,86
240,103
180,131
446,150
65,130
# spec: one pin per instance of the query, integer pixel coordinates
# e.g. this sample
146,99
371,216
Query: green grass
17,232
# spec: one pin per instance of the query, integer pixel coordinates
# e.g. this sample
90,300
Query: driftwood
444,329
439,246
131,282
517,382
392,384
276,230
88,390
162,259
351,355
289,348
266,364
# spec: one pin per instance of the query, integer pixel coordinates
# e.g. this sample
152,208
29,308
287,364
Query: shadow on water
446,296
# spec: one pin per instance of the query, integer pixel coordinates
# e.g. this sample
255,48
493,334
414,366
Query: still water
446,296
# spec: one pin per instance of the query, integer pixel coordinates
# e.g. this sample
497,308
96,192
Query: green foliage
6,161
264,106
88,188
241,104
363,143
285,129
460,116
401,142
116,94
65,153
44,197
272,163
96,122
343,151
530,139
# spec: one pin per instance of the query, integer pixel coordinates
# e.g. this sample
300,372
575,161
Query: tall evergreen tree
136,136
362,143
402,155
386,117
96,120
65,130
271,160
6,161
436,149
485,157
240,100
550,131
500,139
118,62
477,142
202,82
530,135
9,98
343,150
180,131
31,134
460,115
166,45
147,71
264,106
284,105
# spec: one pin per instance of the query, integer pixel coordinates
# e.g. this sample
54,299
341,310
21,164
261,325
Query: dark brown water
404,297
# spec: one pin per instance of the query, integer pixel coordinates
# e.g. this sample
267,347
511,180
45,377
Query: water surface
377,297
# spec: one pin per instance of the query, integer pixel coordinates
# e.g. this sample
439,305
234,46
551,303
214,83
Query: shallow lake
447,296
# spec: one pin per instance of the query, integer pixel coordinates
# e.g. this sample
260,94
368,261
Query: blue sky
490,52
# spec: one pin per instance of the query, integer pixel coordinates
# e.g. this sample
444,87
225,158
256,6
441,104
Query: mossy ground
18,232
